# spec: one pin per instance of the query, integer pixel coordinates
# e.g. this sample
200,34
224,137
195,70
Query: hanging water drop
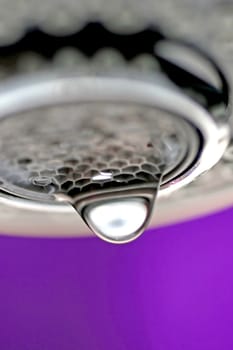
118,220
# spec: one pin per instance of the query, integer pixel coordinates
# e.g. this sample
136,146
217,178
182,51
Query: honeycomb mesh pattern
76,149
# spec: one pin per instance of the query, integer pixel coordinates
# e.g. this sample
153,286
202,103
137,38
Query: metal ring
23,96
26,94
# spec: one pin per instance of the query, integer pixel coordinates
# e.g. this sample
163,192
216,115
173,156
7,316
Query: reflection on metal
109,131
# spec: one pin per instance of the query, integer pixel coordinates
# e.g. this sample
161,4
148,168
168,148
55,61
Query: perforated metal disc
79,148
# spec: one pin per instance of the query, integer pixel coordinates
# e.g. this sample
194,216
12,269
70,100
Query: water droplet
118,220
116,200
119,212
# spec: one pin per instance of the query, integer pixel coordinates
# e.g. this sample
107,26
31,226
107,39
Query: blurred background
169,290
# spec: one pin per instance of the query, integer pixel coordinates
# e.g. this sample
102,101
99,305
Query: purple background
170,289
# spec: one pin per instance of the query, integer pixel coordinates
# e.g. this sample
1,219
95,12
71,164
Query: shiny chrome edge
64,222
29,94
60,218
